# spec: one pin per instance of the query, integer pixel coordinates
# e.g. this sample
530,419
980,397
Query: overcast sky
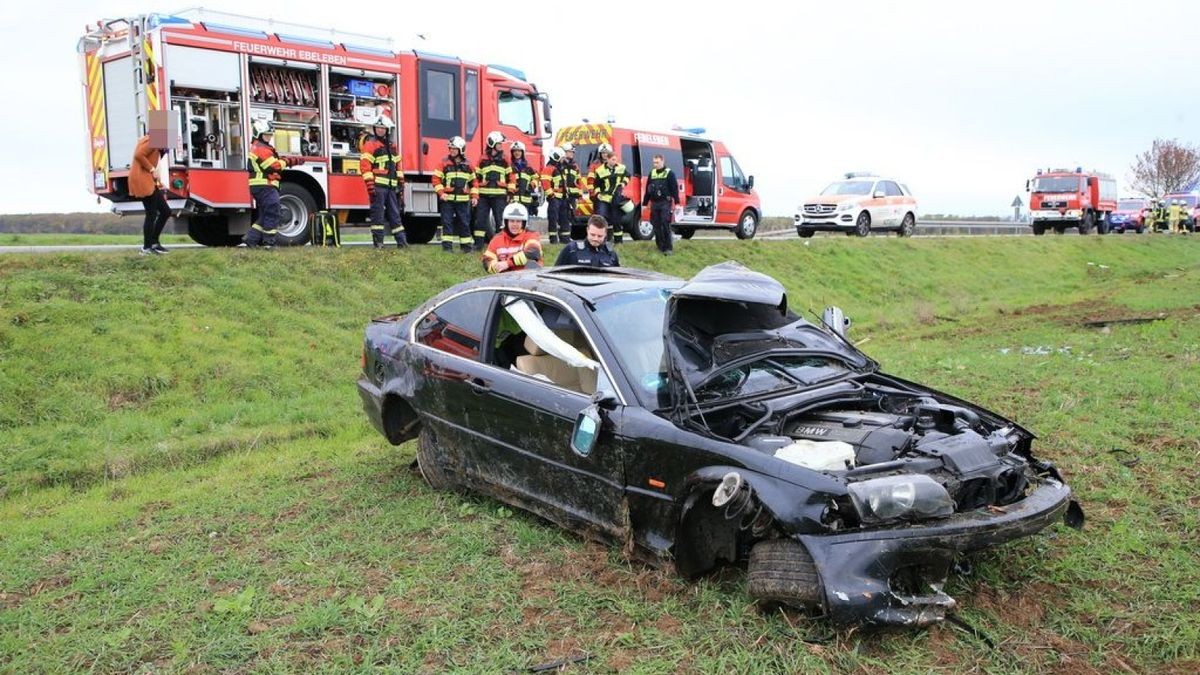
960,100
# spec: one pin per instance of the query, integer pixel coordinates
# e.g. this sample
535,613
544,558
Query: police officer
605,183
595,251
662,195
265,167
379,165
493,174
457,191
524,180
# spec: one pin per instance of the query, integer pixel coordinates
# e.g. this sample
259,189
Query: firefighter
594,251
1173,213
563,185
523,181
457,192
265,167
494,175
1157,215
605,183
379,165
514,248
662,196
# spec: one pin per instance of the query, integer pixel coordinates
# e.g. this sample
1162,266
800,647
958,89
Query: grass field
187,481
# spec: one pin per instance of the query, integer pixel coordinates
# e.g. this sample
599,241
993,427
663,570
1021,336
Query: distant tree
1168,166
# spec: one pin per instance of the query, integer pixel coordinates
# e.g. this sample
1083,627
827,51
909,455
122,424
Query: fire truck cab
714,193
320,89
1061,198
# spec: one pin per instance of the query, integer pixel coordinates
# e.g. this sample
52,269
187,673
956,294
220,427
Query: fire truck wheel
1060,229
1088,222
211,231
420,230
862,226
908,226
747,225
1039,229
1104,225
297,209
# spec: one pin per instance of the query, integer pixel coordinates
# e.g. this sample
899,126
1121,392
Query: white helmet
495,138
604,149
517,145
556,154
457,143
261,127
385,122
568,147
515,211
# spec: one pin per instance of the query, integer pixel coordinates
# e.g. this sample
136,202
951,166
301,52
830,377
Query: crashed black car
703,423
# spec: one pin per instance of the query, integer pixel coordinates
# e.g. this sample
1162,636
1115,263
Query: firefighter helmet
457,143
568,147
261,127
604,149
495,138
515,211
385,122
556,154
517,145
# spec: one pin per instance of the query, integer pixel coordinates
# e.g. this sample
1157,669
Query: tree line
1169,166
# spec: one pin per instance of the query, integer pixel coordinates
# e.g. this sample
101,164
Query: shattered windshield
634,323
771,374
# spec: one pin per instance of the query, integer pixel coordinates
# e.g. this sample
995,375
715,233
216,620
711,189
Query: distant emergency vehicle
858,205
714,192
1061,199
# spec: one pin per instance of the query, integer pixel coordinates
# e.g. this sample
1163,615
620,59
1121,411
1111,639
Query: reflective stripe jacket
456,180
379,163
522,182
494,175
662,186
562,179
264,164
604,182
518,250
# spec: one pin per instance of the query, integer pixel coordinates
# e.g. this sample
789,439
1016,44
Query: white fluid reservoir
818,455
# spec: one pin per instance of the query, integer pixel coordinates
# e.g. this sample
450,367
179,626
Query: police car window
891,189
457,325
516,110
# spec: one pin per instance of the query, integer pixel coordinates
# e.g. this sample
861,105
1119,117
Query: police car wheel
297,209
862,226
804,232
908,226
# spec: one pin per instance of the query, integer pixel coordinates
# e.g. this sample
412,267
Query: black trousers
660,218
615,217
157,212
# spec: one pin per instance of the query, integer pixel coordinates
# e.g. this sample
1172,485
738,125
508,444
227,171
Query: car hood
728,314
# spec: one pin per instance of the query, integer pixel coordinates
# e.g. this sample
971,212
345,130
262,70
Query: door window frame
432,127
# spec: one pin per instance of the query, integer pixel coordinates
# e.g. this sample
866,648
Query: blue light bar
519,74
325,44
223,28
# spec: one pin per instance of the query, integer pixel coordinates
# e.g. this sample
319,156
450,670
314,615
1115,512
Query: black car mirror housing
586,431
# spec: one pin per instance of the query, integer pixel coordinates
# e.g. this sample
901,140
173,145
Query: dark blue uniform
582,253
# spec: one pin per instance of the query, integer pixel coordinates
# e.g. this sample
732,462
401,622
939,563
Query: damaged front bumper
895,576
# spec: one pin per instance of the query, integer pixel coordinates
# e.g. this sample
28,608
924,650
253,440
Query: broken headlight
906,497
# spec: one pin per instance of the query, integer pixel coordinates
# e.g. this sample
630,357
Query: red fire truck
1061,198
320,89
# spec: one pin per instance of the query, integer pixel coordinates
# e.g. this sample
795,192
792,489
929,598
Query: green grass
56,239
188,481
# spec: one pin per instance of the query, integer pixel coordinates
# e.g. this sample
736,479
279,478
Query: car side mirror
878,194
750,183
835,319
586,431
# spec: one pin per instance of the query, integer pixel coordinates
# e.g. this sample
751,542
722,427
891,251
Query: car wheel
1104,225
782,571
862,226
297,208
805,233
1139,229
431,462
908,226
1088,222
642,231
686,232
747,225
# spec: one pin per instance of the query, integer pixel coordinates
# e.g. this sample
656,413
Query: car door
453,374
895,202
530,407
876,204
733,191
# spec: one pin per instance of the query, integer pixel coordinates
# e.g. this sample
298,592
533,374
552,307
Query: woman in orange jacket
144,185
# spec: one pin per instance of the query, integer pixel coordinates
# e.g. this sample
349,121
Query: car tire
1104,225
1088,222
686,232
805,233
862,225
1038,229
430,462
747,225
908,226
642,230
297,209
782,571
